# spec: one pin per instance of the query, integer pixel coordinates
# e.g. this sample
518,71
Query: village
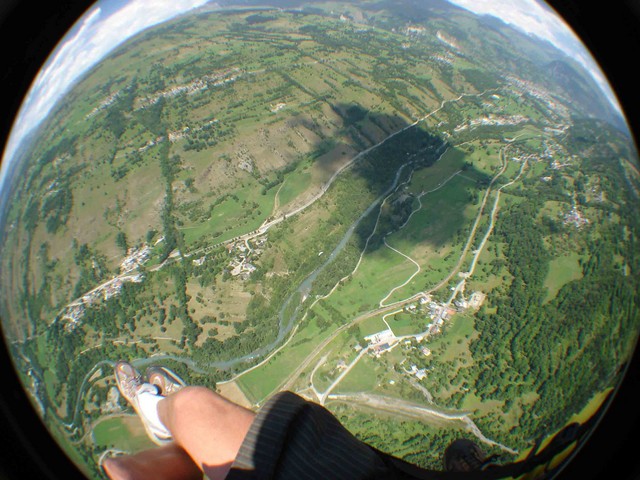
523,88
243,253
491,120
436,314
74,311
199,84
576,218
432,315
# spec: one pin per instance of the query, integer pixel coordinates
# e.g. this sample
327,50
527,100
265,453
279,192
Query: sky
537,18
110,22
101,29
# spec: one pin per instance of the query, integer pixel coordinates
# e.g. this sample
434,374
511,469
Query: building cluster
104,104
552,148
73,313
243,254
415,30
491,120
134,259
277,107
195,86
199,261
447,58
557,164
447,40
529,157
575,218
419,373
521,87
437,314
381,342
176,135
111,405
558,130
150,143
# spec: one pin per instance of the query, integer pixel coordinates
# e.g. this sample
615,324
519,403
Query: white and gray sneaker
166,380
144,398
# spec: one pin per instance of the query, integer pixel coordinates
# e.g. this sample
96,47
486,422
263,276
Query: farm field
386,212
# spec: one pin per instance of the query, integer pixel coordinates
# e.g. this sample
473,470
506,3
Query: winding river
286,322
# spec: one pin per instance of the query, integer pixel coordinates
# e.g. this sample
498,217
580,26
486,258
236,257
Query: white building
384,336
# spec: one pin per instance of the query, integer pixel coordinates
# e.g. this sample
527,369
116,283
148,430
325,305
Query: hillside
373,205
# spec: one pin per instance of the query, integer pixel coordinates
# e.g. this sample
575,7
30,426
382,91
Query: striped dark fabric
291,438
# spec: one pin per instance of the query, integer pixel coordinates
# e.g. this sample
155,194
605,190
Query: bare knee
207,426
192,401
195,398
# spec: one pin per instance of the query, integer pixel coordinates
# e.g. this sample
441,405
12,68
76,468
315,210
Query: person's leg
169,462
207,426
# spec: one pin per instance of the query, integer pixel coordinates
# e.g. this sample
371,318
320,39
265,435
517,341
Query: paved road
387,309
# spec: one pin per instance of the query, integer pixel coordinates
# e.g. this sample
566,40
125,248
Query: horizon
107,24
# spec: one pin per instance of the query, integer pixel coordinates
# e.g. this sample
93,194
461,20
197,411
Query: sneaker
128,379
131,384
166,380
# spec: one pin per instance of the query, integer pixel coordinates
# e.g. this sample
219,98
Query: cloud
536,18
528,15
95,35
103,28
58,73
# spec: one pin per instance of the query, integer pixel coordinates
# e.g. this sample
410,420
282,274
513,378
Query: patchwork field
384,211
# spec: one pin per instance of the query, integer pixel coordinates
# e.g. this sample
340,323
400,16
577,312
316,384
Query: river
285,324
